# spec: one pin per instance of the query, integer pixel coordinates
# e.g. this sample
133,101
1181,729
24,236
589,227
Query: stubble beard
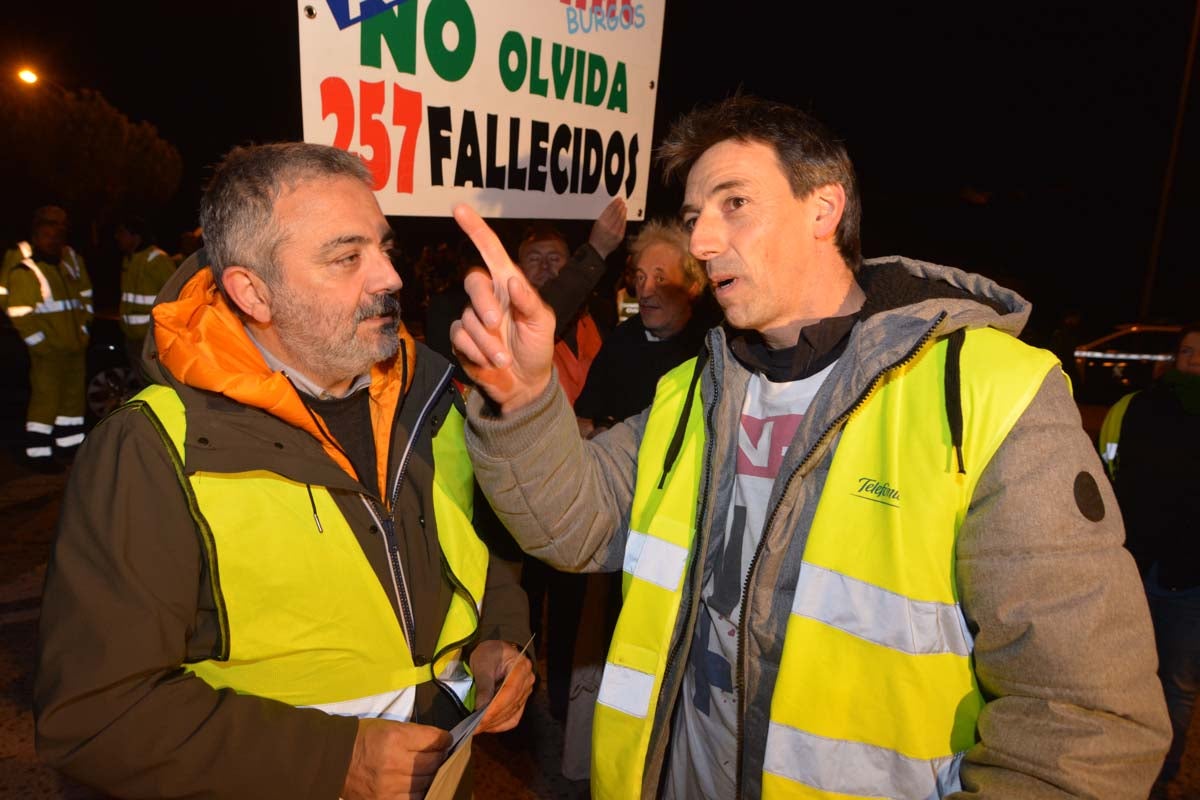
329,344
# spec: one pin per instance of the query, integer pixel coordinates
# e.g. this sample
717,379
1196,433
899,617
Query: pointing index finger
493,305
485,239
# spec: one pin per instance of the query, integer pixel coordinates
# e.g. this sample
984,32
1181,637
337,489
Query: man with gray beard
267,580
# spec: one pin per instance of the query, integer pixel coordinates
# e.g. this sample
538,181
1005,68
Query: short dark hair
541,232
809,153
237,212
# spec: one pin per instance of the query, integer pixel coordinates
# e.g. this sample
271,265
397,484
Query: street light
41,83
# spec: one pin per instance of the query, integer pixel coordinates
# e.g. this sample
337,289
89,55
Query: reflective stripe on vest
141,299
46,307
70,262
305,619
141,280
657,556
876,631
29,263
1109,439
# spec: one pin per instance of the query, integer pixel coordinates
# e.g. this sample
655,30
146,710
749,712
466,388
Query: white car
1124,361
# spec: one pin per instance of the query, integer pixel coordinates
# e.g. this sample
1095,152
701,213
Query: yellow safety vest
1110,435
142,277
51,307
305,619
880,702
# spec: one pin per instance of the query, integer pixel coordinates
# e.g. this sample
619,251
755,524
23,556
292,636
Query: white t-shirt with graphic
703,758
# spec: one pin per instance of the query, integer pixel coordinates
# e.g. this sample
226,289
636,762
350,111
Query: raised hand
609,228
505,338
394,759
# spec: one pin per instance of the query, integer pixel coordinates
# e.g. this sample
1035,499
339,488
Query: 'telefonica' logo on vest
878,491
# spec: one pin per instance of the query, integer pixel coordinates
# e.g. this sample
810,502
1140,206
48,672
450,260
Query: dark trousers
559,595
54,416
1176,616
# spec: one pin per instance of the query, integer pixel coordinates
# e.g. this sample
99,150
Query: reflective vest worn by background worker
50,305
142,276
876,610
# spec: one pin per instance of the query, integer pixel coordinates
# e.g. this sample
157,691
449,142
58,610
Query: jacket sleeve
1064,651
120,616
505,614
86,292
568,291
565,500
24,292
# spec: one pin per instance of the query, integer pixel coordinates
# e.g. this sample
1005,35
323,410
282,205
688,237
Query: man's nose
705,241
384,278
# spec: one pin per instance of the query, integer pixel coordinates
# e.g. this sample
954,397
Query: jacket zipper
740,680
387,526
699,546
387,523
458,587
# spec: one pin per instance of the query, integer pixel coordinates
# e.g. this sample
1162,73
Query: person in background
626,294
865,550
189,242
1150,442
46,291
542,253
266,580
145,268
675,310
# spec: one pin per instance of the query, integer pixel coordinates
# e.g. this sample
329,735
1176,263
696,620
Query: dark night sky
1027,144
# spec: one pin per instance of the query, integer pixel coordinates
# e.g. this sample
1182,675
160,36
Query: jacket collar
199,341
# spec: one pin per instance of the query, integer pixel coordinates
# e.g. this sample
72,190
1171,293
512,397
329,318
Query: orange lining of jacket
202,343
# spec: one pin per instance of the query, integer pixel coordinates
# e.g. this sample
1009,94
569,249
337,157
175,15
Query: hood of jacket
910,302
896,283
199,341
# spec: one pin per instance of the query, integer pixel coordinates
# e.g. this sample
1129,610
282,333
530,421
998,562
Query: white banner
523,108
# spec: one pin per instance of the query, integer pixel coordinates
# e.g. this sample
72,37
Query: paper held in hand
450,774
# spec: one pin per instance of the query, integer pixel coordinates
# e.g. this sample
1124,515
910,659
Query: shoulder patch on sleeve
1087,497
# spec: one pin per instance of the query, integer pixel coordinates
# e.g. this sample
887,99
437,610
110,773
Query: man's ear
831,203
248,291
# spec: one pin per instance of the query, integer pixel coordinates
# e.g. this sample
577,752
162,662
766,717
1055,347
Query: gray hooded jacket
1064,651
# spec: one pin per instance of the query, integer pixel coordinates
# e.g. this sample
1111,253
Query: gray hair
237,212
672,235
